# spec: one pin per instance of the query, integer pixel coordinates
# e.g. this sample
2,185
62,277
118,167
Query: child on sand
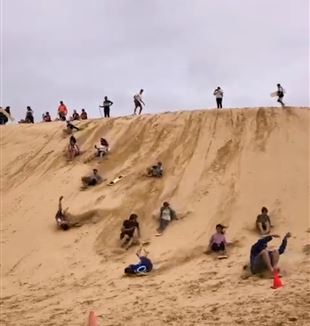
102,148
218,241
130,231
61,216
155,170
73,149
166,215
145,265
263,223
92,180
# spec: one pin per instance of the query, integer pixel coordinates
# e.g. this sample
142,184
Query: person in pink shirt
218,241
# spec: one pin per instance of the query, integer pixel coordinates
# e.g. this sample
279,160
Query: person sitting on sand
73,148
262,258
155,170
75,115
92,180
218,241
83,115
46,117
166,215
102,148
130,231
263,222
145,265
61,216
29,116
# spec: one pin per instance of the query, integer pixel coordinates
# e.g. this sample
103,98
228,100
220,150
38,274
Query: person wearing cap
130,231
263,223
263,258
166,215
155,170
102,148
92,180
218,241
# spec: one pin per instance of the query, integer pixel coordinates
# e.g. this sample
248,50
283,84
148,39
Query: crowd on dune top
62,113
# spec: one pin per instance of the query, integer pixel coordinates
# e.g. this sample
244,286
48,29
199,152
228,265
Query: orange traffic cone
92,319
277,283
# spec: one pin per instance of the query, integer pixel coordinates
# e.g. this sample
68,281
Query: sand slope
221,166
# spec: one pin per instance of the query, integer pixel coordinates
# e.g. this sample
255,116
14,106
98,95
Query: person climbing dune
263,223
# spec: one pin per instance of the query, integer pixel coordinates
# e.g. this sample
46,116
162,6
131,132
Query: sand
221,166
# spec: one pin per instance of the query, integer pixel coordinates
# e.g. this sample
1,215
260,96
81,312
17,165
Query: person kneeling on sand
263,222
218,241
145,265
130,231
61,216
262,258
92,180
102,148
166,215
155,170
73,148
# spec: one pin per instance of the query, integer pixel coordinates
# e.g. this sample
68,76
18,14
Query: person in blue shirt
262,258
145,265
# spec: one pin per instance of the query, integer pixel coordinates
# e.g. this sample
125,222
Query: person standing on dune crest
280,94
219,94
138,102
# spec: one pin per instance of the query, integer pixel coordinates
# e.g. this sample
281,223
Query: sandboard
7,115
116,180
136,274
274,94
222,257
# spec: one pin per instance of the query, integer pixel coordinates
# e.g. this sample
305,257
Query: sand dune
220,167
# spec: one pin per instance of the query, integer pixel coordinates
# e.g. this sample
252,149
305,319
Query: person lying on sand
263,223
145,265
262,258
166,215
130,231
155,170
92,180
73,148
218,242
102,148
60,217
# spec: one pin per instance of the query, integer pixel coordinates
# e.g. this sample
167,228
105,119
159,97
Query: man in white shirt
138,102
167,214
219,94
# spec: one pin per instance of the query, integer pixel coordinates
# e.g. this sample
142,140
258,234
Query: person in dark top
61,216
83,115
145,265
106,107
262,258
280,93
75,115
4,115
155,170
263,223
70,128
130,231
46,117
166,215
73,148
29,115
92,180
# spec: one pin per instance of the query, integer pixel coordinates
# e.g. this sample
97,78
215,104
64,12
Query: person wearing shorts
262,258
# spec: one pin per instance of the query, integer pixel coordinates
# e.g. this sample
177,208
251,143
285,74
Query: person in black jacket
106,107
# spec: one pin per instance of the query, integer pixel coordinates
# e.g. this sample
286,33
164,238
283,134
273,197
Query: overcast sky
79,51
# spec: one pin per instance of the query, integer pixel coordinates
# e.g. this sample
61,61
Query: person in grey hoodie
219,94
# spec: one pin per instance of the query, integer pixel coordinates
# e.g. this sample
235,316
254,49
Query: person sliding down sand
130,232
70,128
262,258
92,180
155,170
61,216
73,148
218,241
145,265
102,148
167,214
263,223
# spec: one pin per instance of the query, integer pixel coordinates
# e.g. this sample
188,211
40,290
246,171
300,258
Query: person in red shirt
62,111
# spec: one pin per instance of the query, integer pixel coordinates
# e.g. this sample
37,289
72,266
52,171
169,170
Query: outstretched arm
59,203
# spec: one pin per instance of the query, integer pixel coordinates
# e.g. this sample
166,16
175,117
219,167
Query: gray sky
177,50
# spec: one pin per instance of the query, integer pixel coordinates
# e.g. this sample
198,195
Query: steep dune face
220,167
